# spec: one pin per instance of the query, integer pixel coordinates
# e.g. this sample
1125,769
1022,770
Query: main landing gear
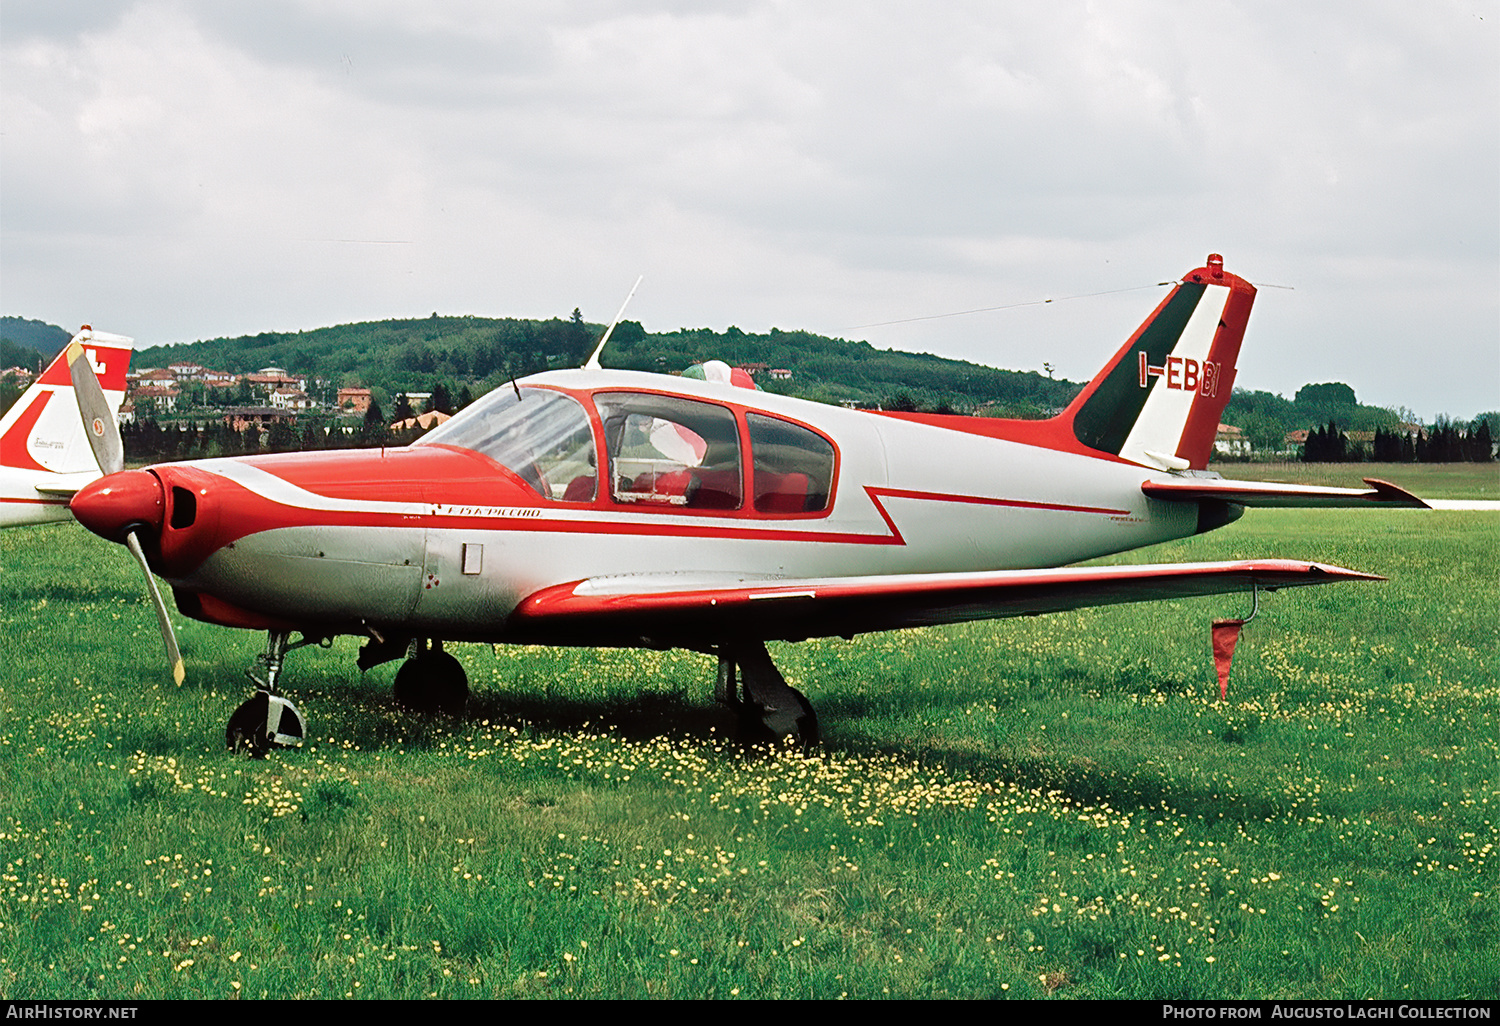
268,720
431,681
769,708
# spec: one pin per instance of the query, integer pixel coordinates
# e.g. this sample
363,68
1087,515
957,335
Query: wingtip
1343,573
1387,492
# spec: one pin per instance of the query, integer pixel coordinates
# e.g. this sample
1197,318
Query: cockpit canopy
541,435
662,450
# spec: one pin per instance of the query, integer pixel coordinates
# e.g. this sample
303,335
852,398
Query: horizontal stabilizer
1271,494
632,610
65,485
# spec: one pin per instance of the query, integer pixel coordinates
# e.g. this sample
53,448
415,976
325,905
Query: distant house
1231,441
291,399
164,396
426,421
241,417
755,370
267,383
358,398
186,371
780,374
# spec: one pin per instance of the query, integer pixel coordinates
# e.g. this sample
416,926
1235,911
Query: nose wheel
264,722
432,681
268,720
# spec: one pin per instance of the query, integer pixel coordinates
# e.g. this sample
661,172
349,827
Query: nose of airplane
118,503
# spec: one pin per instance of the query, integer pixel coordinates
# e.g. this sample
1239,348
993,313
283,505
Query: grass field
1429,480
1058,806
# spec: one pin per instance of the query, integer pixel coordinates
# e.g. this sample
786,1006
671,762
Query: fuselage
704,482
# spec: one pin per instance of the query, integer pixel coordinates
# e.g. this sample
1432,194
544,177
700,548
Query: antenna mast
593,361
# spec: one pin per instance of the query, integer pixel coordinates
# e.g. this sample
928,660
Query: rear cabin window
793,466
665,451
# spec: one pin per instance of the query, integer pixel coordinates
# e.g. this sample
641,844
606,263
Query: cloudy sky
177,170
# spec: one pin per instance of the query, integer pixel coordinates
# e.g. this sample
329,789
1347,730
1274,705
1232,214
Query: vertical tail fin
1158,401
43,430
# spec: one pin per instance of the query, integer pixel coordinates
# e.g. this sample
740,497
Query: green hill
480,353
25,343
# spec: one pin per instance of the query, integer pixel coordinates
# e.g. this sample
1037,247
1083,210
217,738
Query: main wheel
432,682
791,718
448,682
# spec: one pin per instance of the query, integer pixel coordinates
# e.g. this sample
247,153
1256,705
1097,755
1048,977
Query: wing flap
628,611
1271,494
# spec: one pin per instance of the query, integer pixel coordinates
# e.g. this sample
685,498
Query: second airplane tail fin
1159,400
43,430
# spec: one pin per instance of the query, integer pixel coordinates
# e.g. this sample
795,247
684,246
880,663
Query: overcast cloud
184,170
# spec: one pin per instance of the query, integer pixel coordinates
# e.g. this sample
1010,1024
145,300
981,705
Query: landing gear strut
431,681
267,720
770,709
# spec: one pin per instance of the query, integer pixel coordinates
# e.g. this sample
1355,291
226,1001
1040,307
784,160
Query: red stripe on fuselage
36,502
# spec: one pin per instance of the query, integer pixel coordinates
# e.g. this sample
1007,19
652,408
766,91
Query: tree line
1445,443
148,440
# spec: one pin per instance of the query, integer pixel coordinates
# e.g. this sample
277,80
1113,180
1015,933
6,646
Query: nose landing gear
268,720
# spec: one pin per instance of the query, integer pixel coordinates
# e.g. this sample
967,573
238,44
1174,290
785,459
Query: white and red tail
43,430
1158,402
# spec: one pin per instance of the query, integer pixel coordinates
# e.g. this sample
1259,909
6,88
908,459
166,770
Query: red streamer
1225,634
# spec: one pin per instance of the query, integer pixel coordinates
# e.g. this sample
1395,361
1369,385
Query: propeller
109,450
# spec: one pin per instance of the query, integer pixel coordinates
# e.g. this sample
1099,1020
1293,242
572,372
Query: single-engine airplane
44,454
597,507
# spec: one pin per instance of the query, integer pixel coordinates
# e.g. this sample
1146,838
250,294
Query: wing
668,611
1263,493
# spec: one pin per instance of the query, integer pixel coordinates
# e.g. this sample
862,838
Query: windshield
542,435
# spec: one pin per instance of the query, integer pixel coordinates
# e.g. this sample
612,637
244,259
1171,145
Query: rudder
1159,400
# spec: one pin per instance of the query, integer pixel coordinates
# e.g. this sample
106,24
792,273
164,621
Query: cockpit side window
669,451
793,466
541,435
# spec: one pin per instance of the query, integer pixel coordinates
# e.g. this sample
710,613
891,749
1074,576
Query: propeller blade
99,423
168,637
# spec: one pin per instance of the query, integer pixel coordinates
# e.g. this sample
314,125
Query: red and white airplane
609,508
44,454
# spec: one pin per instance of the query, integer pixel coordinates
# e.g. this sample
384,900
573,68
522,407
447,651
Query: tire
431,683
